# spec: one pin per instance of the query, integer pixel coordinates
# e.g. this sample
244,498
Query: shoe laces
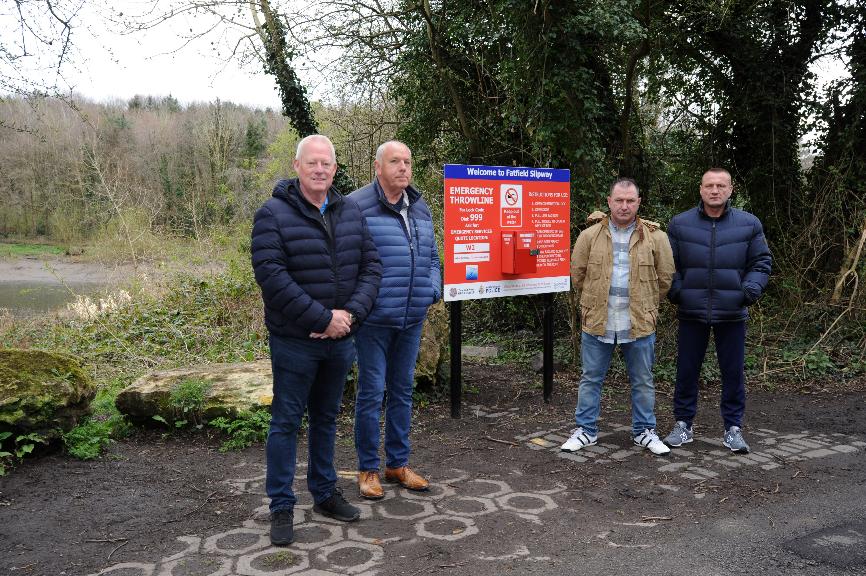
648,433
282,517
337,496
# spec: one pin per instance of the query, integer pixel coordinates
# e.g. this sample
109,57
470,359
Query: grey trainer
733,439
681,434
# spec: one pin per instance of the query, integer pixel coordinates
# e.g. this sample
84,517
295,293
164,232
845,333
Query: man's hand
340,325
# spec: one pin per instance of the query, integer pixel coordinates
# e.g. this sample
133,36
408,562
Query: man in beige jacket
622,268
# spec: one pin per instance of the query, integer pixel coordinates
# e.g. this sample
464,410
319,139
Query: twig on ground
655,518
119,546
509,442
104,540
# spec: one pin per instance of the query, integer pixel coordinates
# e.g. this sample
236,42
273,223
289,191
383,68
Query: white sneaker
579,439
650,440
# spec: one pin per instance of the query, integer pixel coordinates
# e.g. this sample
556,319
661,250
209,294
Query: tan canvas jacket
651,267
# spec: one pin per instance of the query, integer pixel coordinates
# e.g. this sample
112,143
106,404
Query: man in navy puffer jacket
722,267
388,342
319,273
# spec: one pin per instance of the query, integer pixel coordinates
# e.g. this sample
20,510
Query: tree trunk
849,267
296,105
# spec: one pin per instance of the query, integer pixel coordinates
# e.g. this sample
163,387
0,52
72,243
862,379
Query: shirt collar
614,228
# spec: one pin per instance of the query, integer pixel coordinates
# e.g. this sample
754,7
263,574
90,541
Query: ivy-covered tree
746,66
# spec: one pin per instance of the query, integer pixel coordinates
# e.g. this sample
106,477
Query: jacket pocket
595,267
649,286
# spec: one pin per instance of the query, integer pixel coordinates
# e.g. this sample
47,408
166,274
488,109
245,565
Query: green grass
16,250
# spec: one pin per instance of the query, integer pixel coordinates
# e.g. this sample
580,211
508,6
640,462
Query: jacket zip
412,262
404,225
333,248
712,273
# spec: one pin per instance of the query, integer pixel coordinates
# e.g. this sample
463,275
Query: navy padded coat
303,270
412,276
722,264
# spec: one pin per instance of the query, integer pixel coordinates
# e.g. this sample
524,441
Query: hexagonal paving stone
351,557
315,535
236,542
425,527
273,562
197,565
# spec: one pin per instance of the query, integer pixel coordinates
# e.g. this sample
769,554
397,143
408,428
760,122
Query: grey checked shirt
618,318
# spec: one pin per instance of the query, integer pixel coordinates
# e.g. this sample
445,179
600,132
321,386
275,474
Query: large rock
231,388
433,357
42,392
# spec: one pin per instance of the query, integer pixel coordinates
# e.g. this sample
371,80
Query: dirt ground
503,498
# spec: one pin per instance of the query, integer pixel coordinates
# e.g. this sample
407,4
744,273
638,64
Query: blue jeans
386,362
692,340
308,375
639,359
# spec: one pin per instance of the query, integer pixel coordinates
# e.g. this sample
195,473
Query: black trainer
337,508
282,527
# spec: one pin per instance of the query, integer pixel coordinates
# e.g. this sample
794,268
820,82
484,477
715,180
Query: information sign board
506,231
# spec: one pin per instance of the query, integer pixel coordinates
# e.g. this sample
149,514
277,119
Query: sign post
506,233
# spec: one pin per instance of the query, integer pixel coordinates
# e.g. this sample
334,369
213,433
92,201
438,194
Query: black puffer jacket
722,264
307,263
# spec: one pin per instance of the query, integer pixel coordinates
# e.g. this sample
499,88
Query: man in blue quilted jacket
319,273
402,228
722,267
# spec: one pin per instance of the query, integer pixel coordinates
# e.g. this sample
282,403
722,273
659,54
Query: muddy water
32,286
31,298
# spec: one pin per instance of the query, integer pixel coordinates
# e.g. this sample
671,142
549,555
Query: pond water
29,298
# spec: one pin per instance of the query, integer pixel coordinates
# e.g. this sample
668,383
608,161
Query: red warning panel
506,231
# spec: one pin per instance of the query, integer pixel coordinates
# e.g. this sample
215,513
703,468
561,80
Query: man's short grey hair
381,149
312,137
625,182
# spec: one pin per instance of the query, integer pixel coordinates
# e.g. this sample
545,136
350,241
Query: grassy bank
153,322
29,249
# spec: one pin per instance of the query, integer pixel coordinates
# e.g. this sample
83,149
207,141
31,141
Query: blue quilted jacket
411,276
308,264
722,264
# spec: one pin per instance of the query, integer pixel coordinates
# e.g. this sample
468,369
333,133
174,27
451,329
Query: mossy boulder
227,389
431,368
43,392
223,390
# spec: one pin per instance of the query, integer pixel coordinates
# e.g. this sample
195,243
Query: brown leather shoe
369,485
407,478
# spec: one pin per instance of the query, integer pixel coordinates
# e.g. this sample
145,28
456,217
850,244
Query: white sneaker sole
737,450
660,452
564,449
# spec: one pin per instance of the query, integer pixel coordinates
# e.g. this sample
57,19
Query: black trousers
692,340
